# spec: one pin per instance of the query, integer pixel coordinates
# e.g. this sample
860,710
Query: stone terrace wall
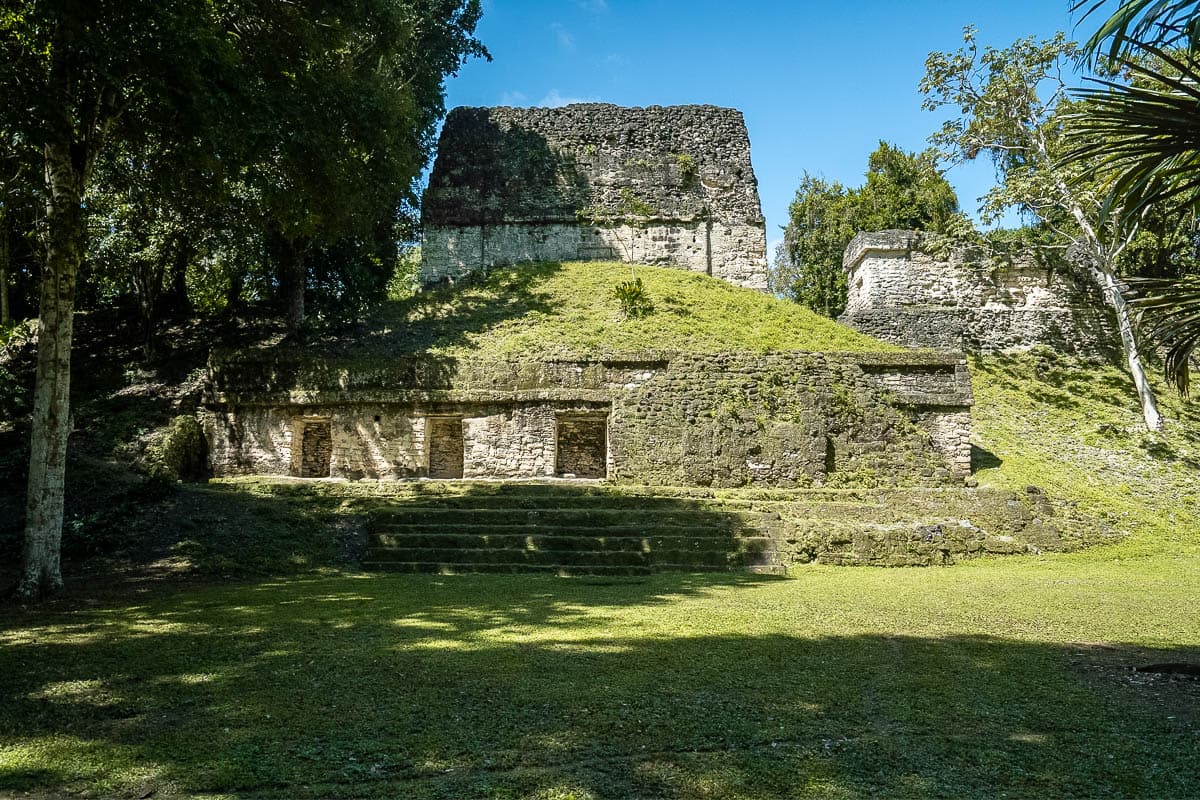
668,186
775,419
901,294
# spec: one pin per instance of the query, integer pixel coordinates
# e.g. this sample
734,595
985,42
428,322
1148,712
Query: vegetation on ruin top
571,309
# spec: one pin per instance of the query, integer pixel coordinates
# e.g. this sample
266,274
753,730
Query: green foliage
181,454
632,297
220,140
1141,134
1170,315
902,190
808,263
688,172
632,204
404,282
1135,24
1007,104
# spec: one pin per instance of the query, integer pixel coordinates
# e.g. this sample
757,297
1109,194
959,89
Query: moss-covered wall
775,419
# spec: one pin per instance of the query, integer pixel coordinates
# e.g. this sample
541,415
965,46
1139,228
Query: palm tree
1136,23
1169,312
1145,135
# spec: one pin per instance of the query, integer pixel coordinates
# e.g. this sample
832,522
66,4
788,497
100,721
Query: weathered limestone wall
901,294
666,186
775,419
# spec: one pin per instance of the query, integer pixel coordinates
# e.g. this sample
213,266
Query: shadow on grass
982,458
503,687
449,316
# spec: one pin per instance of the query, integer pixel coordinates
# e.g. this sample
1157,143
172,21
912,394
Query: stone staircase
598,529
567,528
536,529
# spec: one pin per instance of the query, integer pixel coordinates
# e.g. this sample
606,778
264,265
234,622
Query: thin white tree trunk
1099,264
40,568
1112,291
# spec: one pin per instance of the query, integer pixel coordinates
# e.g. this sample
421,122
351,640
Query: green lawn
998,677
992,677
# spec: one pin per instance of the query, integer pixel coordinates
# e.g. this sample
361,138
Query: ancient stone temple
902,293
649,418
667,186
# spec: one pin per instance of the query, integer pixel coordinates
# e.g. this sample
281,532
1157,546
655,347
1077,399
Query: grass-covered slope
1076,431
569,309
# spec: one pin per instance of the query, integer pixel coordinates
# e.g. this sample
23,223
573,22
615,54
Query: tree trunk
40,571
5,315
293,284
1100,260
176,300
1112,291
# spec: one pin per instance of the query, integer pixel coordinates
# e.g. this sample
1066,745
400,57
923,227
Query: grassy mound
1076,431
570,309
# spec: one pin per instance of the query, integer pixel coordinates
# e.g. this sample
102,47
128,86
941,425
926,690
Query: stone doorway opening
445,447
581,446
316,448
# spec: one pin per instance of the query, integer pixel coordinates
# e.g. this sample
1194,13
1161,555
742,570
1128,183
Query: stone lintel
895,243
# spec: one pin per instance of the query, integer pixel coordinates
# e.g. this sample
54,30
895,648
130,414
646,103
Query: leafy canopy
902,190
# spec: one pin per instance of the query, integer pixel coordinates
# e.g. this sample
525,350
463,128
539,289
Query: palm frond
1169,315
1135,24
1145,136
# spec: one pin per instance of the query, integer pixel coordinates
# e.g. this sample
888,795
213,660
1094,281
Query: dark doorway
445,447
582,447
316,449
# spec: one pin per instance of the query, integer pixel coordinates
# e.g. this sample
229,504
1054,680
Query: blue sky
820,83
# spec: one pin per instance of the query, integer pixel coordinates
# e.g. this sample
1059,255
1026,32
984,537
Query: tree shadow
429,687
447,317
486,174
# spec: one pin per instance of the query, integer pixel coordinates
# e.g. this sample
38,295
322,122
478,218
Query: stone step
582,539
583,501
629,558
457,568
585,570
564,517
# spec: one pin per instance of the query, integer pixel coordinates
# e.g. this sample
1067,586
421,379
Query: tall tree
902,190
1009,105
86,78
1143,135
322,171
78,75
808,262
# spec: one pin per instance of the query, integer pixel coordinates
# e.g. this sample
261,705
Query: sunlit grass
569,309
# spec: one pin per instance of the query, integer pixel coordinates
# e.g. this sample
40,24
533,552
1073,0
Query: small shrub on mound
634,300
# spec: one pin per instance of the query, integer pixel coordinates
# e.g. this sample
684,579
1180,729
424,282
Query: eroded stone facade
666,186
900,293
729,419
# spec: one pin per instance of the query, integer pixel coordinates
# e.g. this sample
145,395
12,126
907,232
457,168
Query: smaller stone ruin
966,300
666,186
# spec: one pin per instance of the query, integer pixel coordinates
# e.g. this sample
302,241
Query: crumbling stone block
667,186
